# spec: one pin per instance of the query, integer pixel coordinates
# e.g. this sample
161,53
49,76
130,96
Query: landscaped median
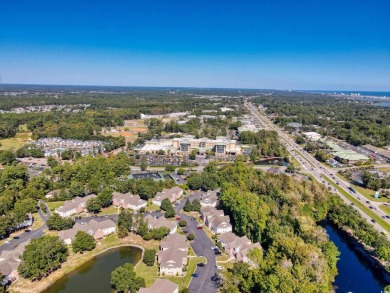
358,203
75,260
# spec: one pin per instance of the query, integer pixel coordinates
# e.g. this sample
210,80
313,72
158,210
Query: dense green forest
357,122
284,215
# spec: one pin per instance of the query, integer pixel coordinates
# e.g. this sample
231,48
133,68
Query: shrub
149,257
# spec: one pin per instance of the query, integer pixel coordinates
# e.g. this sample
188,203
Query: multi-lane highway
318,171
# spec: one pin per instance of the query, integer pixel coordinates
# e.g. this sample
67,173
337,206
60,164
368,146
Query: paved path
12,243
202,247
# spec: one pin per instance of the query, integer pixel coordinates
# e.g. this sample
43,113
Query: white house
172,194
98,229
128,201
74,206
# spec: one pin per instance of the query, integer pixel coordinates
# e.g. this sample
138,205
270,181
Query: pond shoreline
361,251
75,261
90,258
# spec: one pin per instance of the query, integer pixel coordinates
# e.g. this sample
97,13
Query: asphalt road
12,243
312,166
202,247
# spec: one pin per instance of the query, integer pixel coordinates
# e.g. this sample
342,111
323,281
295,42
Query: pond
355,274
95,275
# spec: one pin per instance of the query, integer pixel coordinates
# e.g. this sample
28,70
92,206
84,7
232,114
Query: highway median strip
358,203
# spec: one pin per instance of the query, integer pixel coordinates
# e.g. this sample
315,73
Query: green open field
358,203
368,193
16,142
385,208
54,204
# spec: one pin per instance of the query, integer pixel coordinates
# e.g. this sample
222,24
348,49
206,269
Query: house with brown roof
128,201
209,199
97,229
215,220
220,224
237,247
9,263
173,255
154,222
161,286
74,206
172,194
208,212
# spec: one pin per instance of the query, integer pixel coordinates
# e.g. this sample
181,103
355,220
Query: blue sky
215,43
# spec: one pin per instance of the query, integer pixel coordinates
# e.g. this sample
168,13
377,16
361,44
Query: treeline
282,214
357,122
266,143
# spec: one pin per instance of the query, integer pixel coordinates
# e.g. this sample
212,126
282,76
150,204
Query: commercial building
313,136
185,145
221,145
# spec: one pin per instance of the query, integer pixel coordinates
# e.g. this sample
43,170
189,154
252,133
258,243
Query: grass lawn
222,258
367,193
150,274
365,209
385,208
16,142
151,207
108,211
75,260
38,222
52,205
23,128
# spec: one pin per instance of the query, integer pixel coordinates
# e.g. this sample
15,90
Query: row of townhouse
128,201
74,206
154,222
173,256
96,228
9,263
173,194
215,220
237,247
210,198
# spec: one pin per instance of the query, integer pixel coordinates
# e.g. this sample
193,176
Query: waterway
95,275
355,274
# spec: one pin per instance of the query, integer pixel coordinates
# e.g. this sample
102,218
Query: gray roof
161,286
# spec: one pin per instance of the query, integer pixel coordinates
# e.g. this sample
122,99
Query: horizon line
192,87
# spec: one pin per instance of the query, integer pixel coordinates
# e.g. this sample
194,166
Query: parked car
178,218
185,231
199,227
201,264
195,275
